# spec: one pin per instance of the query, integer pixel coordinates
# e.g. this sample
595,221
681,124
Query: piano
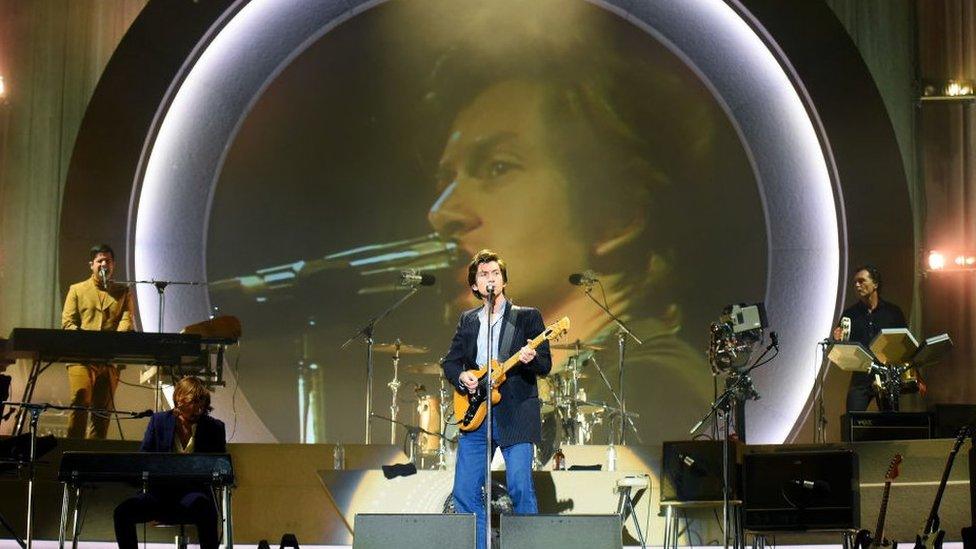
143,348
79,469
139,467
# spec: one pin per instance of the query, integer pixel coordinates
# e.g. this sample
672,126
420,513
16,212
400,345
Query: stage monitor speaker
801,490
561,532
414,531
693,470
872,426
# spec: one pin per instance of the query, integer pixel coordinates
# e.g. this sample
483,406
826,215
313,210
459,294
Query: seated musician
186,428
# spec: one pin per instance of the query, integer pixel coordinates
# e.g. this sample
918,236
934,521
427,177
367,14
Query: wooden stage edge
292,488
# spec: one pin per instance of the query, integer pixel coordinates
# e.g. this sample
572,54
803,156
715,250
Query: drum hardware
576,346
413,435
366,333
622,334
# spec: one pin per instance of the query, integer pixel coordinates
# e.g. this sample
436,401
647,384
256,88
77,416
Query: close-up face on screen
411,136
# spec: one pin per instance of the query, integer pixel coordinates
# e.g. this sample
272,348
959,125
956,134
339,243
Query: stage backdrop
568,137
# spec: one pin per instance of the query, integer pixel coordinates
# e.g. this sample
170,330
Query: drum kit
569,417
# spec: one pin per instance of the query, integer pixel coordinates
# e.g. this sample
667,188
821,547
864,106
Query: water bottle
338,457
559,461
611,458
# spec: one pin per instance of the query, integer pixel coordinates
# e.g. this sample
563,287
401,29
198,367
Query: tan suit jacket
89,307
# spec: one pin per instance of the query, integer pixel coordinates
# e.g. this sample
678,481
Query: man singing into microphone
95,304
516,422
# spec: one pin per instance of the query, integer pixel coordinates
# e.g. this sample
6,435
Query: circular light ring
183,163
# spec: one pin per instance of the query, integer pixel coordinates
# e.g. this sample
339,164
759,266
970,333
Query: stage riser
279,491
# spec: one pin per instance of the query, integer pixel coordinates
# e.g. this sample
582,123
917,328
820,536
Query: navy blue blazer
518,413
211,436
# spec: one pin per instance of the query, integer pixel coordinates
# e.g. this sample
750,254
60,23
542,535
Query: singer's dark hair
873,272
100,249
485,256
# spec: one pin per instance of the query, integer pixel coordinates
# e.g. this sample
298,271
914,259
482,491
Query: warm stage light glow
3,88
961,261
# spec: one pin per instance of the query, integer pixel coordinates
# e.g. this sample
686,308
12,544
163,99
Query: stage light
950,90
961,261
3,89
936,261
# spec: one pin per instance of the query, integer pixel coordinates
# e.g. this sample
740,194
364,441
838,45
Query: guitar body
930,541
472,408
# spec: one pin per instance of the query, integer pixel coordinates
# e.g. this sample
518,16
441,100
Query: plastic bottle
611,458
559,461
338,457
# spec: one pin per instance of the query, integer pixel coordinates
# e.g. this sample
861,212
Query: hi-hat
433,368
404,348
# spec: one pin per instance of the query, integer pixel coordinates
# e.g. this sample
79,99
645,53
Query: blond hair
192,388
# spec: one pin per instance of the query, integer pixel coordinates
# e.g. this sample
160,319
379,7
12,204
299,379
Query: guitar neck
514,359
879,530
934,513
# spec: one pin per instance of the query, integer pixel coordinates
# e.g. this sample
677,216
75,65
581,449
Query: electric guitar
864,539
472,408
932,535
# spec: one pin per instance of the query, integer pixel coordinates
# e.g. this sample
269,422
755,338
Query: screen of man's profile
415,134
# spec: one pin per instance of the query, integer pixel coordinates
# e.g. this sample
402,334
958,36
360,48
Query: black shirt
866,324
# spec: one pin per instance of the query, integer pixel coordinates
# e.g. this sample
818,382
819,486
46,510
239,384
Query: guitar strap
508,332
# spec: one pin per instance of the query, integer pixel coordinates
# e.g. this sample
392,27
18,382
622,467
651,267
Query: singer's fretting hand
527,354
468,380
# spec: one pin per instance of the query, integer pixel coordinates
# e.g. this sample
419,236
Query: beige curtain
52,53
947,30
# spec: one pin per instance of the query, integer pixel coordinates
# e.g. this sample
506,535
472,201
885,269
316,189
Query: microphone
585,278
490,288
103,273
413,278
144,413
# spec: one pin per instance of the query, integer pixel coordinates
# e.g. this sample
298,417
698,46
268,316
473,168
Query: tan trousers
91,385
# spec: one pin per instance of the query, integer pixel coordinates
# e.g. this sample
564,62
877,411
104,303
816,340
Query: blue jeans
469,477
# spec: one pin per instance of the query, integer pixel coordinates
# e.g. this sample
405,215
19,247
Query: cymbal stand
160,286
366,332
446,409
394,386
628,417
622,333
413,431
34,411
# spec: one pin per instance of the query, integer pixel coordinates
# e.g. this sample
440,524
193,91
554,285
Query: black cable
233,396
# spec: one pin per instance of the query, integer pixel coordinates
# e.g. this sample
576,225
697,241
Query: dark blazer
518,414
211,436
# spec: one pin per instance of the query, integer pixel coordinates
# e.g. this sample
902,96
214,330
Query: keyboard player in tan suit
95,304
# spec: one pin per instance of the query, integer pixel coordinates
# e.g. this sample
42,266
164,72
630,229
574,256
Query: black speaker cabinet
949,418
692,470
870,426
801,490
561,532
382,531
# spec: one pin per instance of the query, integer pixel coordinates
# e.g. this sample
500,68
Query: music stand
894,346
932,351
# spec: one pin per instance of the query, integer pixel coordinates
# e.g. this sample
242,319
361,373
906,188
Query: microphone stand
160,286
366,332
35,410
488,418
622,332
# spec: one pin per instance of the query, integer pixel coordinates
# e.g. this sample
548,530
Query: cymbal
433,368
572,346
405,349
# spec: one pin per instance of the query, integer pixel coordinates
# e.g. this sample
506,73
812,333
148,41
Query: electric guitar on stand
932,535
472,407
864,539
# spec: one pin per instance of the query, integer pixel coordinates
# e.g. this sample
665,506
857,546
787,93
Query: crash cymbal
405,349
572,346
433,368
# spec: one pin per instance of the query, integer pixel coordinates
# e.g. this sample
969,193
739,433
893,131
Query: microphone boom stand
622,332
488,428
366,332
35,411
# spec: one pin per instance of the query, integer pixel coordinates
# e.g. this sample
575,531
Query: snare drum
428,418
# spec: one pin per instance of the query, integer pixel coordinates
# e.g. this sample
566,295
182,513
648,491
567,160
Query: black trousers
197,508
861,392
